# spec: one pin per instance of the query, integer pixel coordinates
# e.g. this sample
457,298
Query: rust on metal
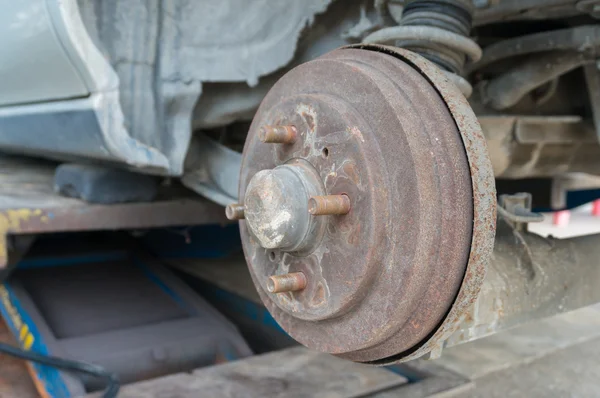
276,134
387,281
483,190
291,282
29,205
234,211
329,205
277,210
88,217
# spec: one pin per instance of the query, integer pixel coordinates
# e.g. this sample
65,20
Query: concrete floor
570,372
554,358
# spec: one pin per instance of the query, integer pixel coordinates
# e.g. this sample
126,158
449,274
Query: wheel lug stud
234,211
278,134
329,205
291,282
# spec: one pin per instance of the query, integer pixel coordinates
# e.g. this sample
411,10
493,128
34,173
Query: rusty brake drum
368,201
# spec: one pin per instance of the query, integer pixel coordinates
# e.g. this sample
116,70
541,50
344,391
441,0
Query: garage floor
571,372
557,357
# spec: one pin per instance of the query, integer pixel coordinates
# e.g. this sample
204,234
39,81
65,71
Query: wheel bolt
235,211
291,282
329,205
278,134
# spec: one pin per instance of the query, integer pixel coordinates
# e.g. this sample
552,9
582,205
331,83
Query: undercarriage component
522,10
439,31
507,89
525,146
567,182
592,79
531,278
212,170
367,227
585,39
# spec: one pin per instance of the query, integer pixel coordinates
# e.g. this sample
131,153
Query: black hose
112,381
581,39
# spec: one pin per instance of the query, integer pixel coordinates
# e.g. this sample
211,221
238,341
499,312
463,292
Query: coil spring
439,31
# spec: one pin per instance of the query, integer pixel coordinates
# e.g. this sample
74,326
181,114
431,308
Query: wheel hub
276,206
357,196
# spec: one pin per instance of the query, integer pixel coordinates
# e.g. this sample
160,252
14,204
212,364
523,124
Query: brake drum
368,204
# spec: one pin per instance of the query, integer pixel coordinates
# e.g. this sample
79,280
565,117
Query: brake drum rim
380,348
484,201
392,338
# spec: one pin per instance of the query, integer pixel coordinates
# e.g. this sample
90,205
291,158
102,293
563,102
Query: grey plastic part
142,65
163,51
223,103
99,184
213,170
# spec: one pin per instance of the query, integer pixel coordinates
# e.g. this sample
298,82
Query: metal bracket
516,210
212,170
29,205
87,217
570,182
592,79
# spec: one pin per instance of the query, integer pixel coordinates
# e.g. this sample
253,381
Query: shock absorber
439,31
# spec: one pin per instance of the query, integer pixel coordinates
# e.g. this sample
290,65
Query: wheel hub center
276,206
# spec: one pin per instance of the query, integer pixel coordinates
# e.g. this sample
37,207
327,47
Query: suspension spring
439,31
